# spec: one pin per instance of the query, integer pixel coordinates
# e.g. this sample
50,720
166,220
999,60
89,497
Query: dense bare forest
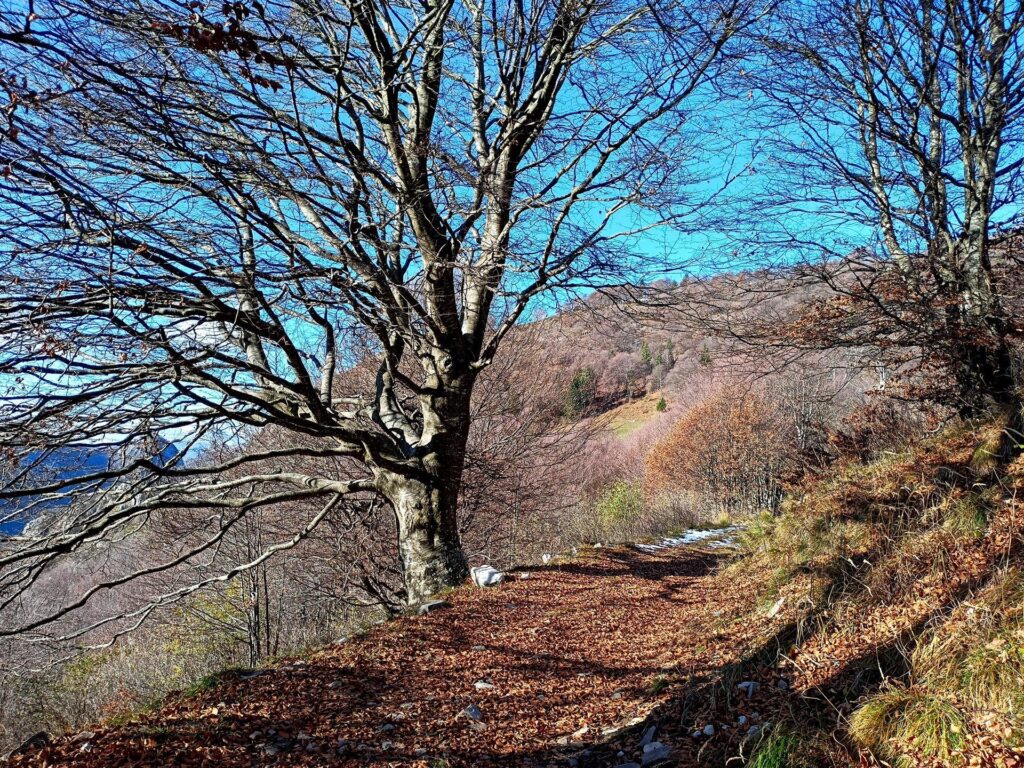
333,332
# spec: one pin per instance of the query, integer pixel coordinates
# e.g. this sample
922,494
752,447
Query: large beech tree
215,216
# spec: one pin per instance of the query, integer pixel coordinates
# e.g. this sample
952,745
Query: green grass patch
781,749
968,517
659,684
203,684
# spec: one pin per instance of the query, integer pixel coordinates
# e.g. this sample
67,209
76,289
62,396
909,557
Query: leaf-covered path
567,667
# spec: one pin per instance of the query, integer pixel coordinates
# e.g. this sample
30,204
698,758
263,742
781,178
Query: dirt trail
581,656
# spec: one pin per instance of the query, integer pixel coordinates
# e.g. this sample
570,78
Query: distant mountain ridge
63,464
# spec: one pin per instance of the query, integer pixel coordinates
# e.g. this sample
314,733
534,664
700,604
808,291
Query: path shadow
674,569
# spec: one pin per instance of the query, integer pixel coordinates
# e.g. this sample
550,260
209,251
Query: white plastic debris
487,576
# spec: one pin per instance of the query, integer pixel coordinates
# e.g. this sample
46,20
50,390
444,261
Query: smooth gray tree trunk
428,537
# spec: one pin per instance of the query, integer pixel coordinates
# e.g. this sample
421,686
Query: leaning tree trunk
977,329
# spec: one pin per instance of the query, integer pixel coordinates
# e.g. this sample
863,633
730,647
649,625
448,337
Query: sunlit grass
899,723
781,749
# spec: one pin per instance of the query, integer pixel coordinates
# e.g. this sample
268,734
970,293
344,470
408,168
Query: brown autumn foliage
726,453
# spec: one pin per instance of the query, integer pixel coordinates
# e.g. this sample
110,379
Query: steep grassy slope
897,590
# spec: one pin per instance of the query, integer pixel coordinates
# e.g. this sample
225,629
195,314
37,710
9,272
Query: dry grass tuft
906,724
978,653
986,457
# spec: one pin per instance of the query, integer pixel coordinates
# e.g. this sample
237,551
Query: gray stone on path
648,736
750,687
472,712
433,605
654,752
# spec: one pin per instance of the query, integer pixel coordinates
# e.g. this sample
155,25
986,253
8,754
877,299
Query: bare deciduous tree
895,157
214,216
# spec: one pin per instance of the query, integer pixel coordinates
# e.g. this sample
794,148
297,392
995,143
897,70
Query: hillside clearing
630,416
